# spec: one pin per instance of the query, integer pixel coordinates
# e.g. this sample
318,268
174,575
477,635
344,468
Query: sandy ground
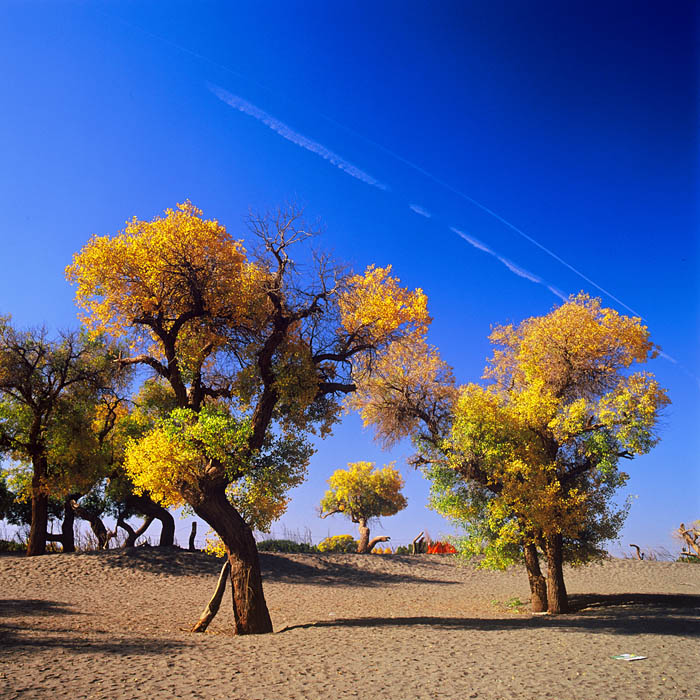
114,625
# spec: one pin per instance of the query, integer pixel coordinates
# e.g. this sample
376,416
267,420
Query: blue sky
497,154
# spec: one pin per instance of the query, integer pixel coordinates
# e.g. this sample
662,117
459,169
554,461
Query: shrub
338,543
402,550
379,550
286,546
12,546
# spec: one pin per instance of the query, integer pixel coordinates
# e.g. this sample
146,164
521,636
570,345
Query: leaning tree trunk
147,506
538,583
250,613
215,603
557,600
363,544
40,510
375,541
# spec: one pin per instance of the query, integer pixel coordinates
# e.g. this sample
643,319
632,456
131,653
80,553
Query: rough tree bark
250,614
363,544
538,584
557,600
40,509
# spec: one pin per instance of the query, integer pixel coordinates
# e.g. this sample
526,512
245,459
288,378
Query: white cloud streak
515,269
472,241
519,271
294,136
558,292
420,211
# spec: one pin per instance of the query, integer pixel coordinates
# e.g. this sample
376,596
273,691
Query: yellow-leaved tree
529,463
247,343
361,493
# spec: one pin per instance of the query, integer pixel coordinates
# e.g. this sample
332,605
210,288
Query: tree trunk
147,506
40,510
193,534
538,584
557,600
250,613
213,605
96,525
67,526
363,545
131,534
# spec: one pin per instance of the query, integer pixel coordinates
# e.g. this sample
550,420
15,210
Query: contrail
420,211
519,271
388,151
472,241
515,269
484,208
295,137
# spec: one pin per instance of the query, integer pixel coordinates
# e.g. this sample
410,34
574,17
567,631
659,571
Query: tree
362,492
41,383
530,462
249,345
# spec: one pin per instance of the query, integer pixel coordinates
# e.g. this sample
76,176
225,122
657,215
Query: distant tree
249,346
362,493
531,462
42,381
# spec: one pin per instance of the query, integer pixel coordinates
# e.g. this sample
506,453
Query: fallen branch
639,552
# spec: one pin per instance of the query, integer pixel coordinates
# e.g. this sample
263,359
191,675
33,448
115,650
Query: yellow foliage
374,307
562,407
363,492
161,270
156,464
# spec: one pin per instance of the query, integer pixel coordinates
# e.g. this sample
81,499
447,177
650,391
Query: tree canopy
57,401
255,349
361,493
531,459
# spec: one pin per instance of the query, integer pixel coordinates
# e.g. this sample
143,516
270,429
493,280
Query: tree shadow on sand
625,614
16,640
172,561
34,606
320,570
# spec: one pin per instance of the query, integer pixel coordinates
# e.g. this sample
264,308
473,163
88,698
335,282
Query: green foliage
286,546
401,549
536,454
12,546
338,543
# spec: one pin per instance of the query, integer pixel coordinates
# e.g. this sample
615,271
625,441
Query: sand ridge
114,625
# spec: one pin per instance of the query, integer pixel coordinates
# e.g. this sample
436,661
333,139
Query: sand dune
114,625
